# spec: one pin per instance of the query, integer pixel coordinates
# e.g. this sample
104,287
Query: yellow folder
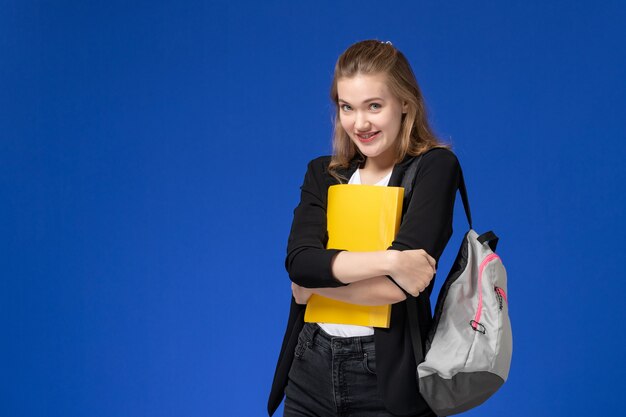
360,218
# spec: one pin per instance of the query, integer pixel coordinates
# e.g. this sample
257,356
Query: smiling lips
367,137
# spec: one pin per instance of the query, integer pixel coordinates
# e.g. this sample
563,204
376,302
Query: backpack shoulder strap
411,302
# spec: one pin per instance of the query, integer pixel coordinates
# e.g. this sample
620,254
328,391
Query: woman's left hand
301,294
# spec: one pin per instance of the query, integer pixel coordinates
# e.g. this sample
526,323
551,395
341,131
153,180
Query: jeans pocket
369,361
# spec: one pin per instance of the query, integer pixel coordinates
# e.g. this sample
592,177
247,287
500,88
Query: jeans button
337,345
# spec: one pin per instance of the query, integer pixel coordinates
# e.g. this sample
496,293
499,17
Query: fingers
431,261
420,290
298,293
417,286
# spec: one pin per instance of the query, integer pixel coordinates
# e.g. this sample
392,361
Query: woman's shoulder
318,167
440,156
317,178
439,160
320,162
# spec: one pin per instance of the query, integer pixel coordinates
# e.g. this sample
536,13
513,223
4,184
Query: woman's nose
361,122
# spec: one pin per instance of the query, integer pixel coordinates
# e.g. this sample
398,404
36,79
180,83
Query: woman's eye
375,106
345,107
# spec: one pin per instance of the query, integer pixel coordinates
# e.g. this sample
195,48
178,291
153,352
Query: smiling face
371,116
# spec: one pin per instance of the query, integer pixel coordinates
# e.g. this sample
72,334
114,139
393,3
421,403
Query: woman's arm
426,225
311,265
308,262
353,267
411,269
370,292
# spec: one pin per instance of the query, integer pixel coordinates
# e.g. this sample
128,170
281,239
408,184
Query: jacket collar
398,171
396,174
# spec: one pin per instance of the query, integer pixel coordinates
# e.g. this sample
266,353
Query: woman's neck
373,171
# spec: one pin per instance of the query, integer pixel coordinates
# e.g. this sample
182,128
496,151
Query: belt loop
316,329
359,347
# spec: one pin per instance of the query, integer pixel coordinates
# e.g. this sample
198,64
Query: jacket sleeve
308,261
427,222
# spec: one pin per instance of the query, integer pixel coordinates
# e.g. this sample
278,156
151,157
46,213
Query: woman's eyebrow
364,101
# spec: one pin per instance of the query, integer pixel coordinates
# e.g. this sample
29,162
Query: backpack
469,347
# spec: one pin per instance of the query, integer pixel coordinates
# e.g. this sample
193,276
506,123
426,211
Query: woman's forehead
362,87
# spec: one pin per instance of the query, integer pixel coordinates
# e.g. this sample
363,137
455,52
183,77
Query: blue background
151,155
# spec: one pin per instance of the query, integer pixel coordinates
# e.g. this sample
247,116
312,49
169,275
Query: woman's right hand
412,270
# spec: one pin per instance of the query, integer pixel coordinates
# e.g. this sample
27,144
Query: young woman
380,127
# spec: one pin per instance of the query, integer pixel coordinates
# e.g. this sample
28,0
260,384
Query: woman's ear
405,107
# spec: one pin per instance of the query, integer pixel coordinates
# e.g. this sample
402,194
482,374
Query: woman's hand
301,294
412,270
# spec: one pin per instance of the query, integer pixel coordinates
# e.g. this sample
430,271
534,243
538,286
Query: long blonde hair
375,57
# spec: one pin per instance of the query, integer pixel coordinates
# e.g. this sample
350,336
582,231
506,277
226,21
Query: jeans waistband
338,345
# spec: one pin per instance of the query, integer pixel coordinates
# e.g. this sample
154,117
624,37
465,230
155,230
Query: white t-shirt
350,330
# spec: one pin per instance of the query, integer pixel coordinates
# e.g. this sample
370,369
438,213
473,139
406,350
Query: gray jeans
333,376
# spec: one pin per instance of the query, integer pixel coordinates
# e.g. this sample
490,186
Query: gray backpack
469,347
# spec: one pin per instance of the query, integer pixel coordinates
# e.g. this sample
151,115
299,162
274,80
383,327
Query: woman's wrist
390,261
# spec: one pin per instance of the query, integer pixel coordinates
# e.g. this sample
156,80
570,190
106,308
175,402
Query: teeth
367,136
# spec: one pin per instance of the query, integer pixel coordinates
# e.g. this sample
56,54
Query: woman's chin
371,151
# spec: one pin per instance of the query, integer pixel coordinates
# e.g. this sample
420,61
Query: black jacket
426,224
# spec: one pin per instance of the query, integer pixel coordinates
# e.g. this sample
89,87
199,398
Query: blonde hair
371,57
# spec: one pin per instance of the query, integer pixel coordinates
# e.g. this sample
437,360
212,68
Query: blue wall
135,281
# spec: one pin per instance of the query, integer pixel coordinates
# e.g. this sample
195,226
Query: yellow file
360,218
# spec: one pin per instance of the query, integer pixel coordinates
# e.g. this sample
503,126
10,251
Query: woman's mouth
367,137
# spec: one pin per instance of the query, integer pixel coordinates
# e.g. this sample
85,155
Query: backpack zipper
476,325
501,295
